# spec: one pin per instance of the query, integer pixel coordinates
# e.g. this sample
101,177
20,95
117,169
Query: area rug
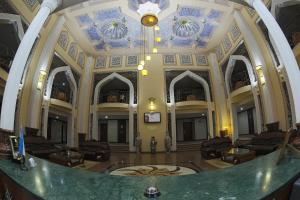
218,163
86,165
153,170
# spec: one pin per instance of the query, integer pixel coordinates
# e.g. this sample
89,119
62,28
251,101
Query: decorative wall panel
63,40
201,60
100,62
186,59
116,61
73,50
169,59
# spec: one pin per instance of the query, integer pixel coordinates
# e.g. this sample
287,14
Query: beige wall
24,96
275,82
152,85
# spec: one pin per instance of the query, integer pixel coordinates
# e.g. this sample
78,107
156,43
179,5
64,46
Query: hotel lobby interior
150,99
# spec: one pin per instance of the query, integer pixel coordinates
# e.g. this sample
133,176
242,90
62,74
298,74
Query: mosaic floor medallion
153,170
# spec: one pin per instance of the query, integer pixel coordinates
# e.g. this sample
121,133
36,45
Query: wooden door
121,131
250,121
103,132
188,131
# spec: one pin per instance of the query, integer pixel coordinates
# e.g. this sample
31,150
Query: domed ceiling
113,26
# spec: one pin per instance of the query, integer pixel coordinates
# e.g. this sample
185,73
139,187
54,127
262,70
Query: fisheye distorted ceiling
101,26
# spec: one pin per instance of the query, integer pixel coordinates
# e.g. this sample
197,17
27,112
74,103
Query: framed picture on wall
152,117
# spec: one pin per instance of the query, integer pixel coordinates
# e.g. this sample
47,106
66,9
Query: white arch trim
131,105
203,82
230,67
70,77
253,82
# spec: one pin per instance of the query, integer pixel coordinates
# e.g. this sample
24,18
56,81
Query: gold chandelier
149,20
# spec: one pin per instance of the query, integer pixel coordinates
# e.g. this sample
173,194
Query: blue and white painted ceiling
114,26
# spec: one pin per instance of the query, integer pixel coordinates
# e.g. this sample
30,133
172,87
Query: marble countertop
252,180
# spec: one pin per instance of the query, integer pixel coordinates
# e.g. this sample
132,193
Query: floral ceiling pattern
189,26
109,28
186,27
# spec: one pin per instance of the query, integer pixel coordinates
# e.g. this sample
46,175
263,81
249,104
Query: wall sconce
152,104
42,77
145,72
260,74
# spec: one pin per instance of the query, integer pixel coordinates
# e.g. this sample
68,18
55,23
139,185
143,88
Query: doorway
103,132
121,131
188,131
113,129
191,127
57,130
246,122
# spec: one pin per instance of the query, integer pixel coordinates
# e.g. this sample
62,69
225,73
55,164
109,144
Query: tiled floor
190,159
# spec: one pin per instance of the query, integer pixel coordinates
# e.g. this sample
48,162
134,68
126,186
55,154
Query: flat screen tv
152,117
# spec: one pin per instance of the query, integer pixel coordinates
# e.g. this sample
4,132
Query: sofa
40,147
95,150
265,142
214,147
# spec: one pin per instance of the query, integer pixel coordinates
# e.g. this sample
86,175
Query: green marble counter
252,180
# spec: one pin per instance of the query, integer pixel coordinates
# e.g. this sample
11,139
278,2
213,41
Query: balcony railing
189,94
239,80
61,95
116,96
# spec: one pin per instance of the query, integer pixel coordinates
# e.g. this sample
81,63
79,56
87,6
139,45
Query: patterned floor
153,170
191,160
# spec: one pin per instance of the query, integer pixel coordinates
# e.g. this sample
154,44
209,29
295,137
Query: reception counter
256,179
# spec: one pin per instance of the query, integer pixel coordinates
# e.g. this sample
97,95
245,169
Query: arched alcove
239,76
59,73
238,90
61,88
97,93
114,91
188,75
188,89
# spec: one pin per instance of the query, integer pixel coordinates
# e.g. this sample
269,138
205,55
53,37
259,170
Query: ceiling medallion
185,27
114,30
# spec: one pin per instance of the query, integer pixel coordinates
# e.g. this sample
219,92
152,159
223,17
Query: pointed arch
70,77
205,85
253,82
97,91
230,68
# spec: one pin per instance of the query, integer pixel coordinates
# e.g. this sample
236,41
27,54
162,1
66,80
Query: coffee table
237,155
67,157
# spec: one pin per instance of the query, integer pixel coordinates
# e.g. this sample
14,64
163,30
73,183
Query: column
210,119
173,124
258,60
219,90
284,50
131,127
42,67
16,71
85,91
